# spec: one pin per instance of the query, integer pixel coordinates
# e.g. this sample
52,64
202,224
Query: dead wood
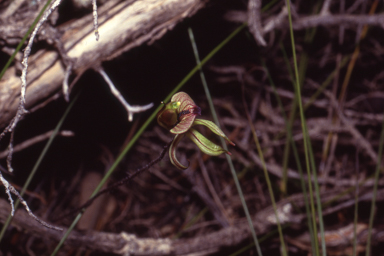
159,206
101,241
123,26
124,243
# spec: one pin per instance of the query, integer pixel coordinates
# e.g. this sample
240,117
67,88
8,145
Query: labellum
178,116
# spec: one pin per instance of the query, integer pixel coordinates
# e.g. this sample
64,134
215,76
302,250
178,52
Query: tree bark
122,26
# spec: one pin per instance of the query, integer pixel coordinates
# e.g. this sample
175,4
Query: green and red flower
178,116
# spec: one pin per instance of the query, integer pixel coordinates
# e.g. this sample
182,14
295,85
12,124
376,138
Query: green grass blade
145,125
377,173
317,192
37,164
325,84
305,137
216,120
291,142
260,152
289,126
283,187
24,39
311,216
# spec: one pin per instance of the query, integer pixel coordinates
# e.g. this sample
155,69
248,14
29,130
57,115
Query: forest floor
199,209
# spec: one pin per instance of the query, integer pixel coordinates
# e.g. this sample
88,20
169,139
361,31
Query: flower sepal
178,116
214,128
204,144
172,153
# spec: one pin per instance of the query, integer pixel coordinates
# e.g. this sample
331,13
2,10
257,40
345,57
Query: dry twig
130,109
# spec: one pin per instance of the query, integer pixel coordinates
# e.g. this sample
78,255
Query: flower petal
205,145
213,127
172,152
187,112
183,125
186,101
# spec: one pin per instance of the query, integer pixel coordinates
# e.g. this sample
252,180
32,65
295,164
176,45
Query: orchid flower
178,116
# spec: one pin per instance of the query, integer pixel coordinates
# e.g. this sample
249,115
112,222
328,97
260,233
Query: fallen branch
124,243
122,26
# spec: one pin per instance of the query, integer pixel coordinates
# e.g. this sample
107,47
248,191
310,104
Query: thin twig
254,21
7,190
68,72
130,109
208,181
10,152
355,5
341,28
279,21
325,9
201,192
34,140
21,111
10,189
11,9
95,23
117,184
364,144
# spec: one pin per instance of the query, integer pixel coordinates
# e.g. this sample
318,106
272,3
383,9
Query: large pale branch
123,26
